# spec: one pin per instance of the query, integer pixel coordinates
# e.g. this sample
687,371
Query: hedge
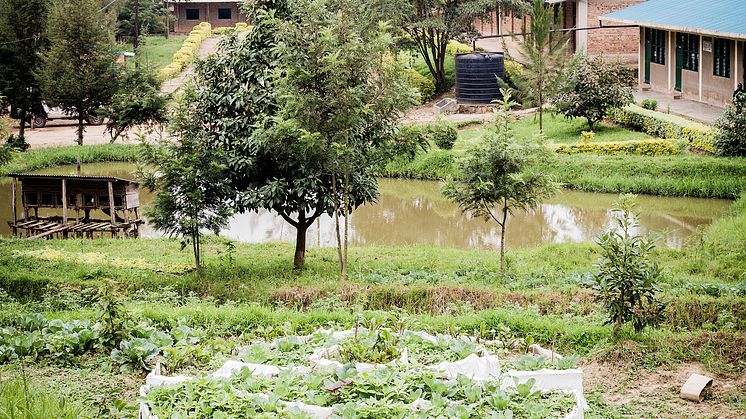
188,51
424,85
698,136
226,30
659,147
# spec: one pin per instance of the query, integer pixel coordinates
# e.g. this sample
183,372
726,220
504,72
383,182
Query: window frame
223,9
690,50
191,9
721,61
657,46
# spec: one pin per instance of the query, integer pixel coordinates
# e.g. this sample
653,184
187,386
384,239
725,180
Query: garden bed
367,373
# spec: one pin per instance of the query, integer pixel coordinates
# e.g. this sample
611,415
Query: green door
648,53
679,60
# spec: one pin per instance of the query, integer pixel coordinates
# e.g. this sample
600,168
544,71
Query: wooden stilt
14,217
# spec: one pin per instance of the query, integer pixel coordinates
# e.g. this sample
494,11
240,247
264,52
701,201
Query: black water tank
476,77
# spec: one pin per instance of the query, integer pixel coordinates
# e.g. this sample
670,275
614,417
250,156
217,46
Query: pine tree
21,40
78,74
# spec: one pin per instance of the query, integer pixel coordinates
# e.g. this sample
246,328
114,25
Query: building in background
619,44
689,48
219,13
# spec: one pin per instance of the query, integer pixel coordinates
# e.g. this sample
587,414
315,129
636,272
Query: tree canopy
79,74
22,40
432,23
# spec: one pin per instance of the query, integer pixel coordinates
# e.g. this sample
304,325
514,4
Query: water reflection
414,212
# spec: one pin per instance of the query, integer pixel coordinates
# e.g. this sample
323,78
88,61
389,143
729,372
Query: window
721,62
689,43
657,46
192,14
224,13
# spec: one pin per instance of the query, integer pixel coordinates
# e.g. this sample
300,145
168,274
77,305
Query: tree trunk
80,127
299,260
22,125
347,224
195,249
541,110
336,222
502,242
590,124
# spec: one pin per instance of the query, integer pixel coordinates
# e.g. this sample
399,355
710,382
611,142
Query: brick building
220,13
689,48
615,43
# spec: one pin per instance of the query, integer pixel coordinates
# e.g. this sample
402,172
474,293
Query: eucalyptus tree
341,85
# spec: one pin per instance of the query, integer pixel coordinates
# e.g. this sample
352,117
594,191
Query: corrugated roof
723,18
70,177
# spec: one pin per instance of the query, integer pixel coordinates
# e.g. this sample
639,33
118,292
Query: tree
340,84
190,180
501,175
595,87
138,103
150,16
625,278
432,23
730,138
78,74
22,40
543,54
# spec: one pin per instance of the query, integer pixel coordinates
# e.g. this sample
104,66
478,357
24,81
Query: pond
414,212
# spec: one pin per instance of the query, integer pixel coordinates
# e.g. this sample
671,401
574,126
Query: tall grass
56,156
19,399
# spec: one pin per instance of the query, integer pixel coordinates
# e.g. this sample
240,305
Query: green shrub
730,139
17,142
660,147
443,135
456,47
649,104
587,136
411,140
698,136
425,87
626,280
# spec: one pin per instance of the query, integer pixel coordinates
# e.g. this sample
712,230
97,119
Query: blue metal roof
723,18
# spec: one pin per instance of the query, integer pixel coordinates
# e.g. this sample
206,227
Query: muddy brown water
414,212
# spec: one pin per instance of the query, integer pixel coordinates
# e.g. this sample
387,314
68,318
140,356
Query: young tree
341,84
22,41
78,73
501,175
544,56
730,139
138,103
432,23
190,180
594,87
625,278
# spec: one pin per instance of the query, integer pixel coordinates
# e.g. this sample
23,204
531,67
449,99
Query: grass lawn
156,51
557,129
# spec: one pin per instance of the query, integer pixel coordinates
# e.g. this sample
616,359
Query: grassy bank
157,51
249,292
56,156
679,175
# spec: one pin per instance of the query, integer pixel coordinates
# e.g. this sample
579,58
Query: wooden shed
67,206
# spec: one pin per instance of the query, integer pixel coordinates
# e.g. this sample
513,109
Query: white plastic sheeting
475,367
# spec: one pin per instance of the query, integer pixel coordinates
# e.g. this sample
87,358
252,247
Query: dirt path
654,393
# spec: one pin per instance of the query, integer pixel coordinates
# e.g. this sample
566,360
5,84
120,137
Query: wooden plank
112,210
50,232
64,201
14,203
